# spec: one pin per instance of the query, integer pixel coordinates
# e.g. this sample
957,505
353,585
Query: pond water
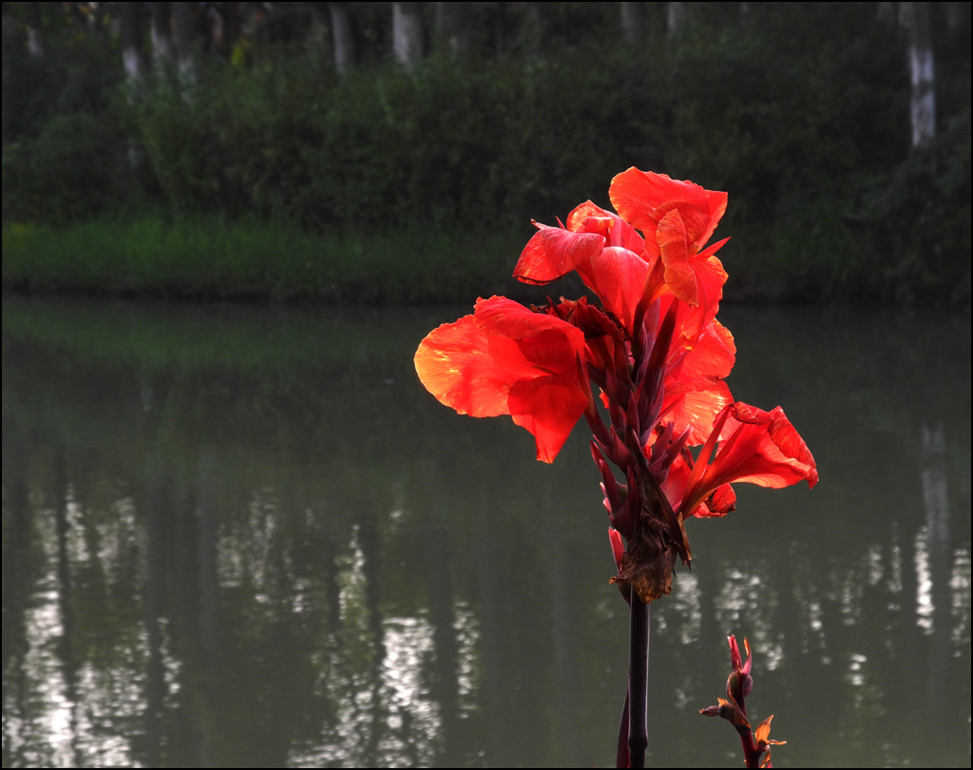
238,536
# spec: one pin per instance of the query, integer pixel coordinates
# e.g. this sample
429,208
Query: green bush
801,115
72,169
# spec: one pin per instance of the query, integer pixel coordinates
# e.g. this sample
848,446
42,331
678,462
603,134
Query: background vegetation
800,111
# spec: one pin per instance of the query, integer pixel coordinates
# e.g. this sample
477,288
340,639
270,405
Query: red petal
502,317
616,275
763,448
720,503
674,247
548,407
696,409
638,197
694,278
601,219
468,370
554,252
506,359
712,354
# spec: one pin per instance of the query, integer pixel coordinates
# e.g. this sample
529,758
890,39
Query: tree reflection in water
212,561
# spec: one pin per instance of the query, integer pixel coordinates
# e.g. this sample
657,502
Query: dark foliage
801,114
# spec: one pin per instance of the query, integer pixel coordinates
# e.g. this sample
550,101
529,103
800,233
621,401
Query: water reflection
265,544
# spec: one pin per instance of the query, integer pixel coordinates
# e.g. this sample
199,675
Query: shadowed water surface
249,537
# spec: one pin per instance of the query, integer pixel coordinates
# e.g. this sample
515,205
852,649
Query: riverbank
212,258
166,256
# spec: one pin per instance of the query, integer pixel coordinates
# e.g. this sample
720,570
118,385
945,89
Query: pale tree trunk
631,22
922,68
35,43
182,15
675,18
407,33
344,43
163,53
452,26
131,40
132,57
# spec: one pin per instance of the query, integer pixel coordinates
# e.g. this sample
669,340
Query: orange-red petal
696,279
616,275
759,447
467,370
643,198
554,252
764,449
695,409
506,359
548,407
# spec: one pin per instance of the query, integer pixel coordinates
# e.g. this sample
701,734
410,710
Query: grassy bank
175,256
211,258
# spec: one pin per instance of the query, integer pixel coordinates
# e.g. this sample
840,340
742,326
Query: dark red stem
751,754
638,681
621,753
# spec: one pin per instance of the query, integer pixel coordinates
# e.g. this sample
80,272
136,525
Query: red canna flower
659,357
507,359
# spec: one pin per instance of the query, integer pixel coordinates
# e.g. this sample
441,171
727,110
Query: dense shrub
72,169
808,131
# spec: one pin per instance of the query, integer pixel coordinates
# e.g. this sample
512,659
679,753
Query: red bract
505,359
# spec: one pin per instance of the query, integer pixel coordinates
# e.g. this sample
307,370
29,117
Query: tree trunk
675,18
631,22
35,43
131,40
407,33
163,53
452,26
182,14
921,65
344,42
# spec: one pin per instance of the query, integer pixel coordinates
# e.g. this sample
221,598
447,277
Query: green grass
167,256
209,257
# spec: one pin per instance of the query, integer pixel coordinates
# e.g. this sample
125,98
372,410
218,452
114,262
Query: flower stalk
638,677
734,710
